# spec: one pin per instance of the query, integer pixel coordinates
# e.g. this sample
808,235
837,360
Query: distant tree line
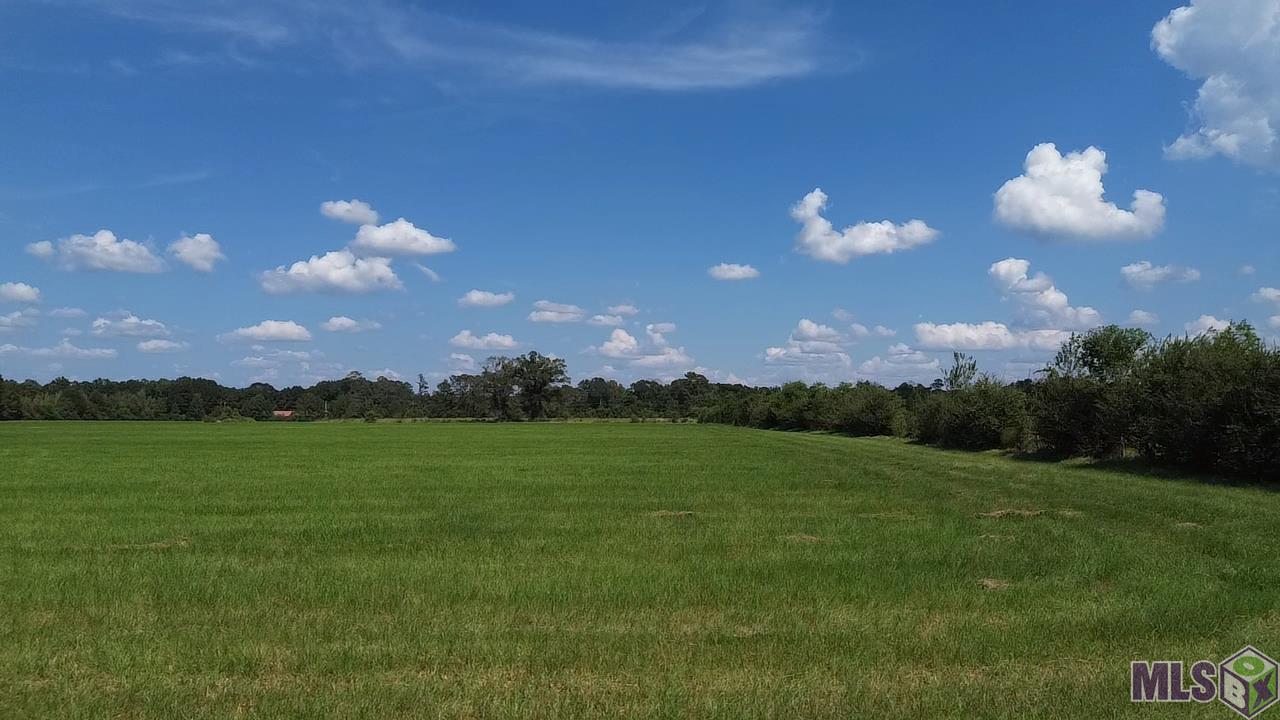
529,387
1210,403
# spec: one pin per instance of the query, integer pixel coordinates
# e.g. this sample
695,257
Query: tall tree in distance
1069,361
496,386
1110,353
962,373
537,378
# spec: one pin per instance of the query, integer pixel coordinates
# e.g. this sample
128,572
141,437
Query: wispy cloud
733,53
84,188
181,178
683,52
265,23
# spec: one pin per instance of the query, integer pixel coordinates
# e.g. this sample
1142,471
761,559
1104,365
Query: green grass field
601,570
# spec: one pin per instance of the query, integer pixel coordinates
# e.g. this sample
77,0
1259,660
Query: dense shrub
868,409
1065,415
1084,403
927,422
1211,402
862,409
985,415
796,406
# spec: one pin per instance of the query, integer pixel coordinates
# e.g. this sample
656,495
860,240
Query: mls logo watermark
1244,682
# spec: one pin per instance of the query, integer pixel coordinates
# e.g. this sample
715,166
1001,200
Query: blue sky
570,154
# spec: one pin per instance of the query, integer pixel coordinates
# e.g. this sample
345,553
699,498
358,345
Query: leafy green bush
1065,413
1211,402
1084,403
797,406
868,409
987,414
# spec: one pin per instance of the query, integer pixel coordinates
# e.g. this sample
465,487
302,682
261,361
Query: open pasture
155,570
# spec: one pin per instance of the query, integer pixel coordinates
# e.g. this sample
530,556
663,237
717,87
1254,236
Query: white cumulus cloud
880,368
461,362
128,325
1205,324
902,354
985,336
353,211
657,332
858,330
732,271
656,354
790,354
810,343
490,341
17,319
99,251
337,271
664,357
626,309
1043,315
1062,197
43,249
270,331
1142,318
200,251
621,344
484,298
545,311
808,330
819,239
1039,303
1142,275
605,320
901,362
1267,294
399,238
1233,48
342,323
160,346
19,292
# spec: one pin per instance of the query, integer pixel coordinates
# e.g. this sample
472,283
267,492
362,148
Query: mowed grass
601,570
